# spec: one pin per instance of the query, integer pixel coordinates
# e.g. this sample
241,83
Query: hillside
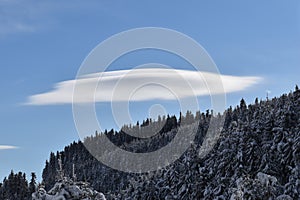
256,157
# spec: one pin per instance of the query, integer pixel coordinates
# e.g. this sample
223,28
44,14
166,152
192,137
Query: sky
43,44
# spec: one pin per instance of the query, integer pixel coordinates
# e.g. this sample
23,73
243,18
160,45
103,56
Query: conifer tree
32,184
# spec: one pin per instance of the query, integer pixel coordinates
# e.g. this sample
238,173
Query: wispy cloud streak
5,147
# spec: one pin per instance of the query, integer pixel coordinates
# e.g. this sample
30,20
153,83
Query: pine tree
243,104
1,191
256,101
32,184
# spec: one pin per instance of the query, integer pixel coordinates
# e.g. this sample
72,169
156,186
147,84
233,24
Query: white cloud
141,85
4,147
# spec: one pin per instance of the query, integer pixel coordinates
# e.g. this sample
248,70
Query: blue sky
44,42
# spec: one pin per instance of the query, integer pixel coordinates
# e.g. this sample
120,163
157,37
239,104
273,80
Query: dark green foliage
87,168
15,187
256,157
32,184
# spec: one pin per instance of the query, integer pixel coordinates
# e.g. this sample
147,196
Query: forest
257,156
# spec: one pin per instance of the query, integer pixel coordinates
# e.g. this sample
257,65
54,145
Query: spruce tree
32,184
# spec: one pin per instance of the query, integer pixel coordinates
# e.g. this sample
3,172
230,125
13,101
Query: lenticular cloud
142,85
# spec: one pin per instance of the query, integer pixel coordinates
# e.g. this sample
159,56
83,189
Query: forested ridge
257,156
258,141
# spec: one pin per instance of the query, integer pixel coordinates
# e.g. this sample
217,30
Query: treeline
256,156
16,187
106,179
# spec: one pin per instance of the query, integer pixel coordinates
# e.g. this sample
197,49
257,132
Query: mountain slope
256,157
